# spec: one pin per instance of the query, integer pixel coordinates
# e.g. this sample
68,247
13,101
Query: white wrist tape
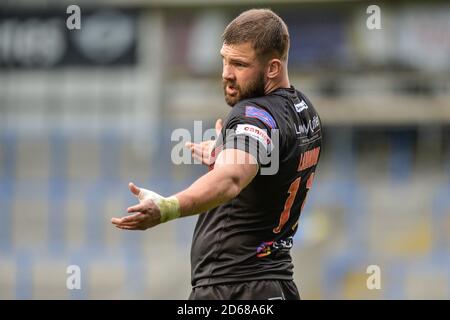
168,207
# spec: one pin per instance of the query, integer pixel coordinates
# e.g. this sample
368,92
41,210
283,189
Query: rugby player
261,167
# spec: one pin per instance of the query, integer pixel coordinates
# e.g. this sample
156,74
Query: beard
251,90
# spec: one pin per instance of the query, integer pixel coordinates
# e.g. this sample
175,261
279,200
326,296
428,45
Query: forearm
209,191
218,186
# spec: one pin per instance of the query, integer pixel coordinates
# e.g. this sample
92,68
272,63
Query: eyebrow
240,60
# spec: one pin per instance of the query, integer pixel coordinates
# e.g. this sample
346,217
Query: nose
227,73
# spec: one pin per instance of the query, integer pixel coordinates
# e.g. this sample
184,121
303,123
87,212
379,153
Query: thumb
219,126
135,190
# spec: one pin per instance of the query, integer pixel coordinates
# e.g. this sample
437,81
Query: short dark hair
266,31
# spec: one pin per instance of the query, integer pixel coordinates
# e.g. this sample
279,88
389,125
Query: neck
280,82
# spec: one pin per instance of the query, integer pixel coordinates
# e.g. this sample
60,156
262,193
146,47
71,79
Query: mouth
230,90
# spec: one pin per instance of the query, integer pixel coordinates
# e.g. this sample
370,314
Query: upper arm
241,167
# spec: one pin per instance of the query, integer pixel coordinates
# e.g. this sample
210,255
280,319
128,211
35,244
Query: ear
274,67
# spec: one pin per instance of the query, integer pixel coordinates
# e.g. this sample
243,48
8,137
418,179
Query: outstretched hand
202,151
142,216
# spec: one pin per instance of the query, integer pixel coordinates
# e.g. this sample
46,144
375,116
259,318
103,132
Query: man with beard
260,170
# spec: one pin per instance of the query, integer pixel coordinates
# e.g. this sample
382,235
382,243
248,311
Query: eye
240,64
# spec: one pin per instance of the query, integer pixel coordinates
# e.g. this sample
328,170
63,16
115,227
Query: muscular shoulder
254,109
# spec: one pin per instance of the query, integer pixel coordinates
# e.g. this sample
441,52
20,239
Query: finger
207,144
137,208
219,126
190,144
206,152
201,153
197,150
135,218
131,218
122,221
128,228
197,157
116,220
201,159
135,190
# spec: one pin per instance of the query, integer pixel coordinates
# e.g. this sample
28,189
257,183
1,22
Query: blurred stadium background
84,112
